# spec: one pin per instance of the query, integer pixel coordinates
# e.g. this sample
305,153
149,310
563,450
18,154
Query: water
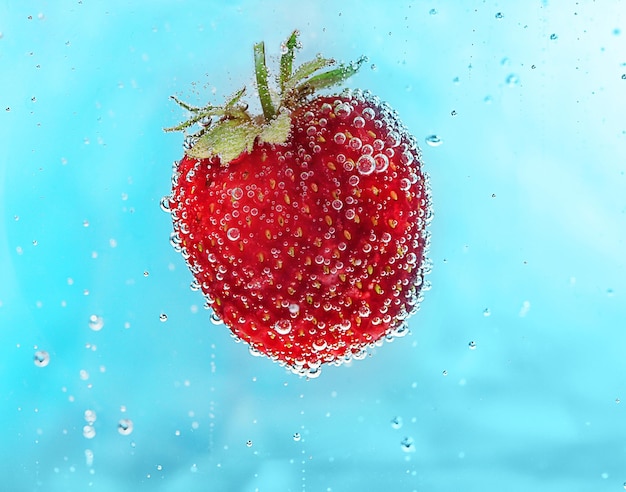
513,373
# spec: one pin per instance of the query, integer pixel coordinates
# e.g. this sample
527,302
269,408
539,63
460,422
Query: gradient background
528,246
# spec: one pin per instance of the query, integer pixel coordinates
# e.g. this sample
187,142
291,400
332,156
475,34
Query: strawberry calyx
227,131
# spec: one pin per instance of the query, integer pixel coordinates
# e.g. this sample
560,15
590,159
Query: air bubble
393,139
472,345
369,114
364,311
96,323
406,158
337,204
237,193
166,204
163,317
358,122
405,184
434,141
89,432
355,143
125,427
297,437
215,319
343,110
512,80
233,234
408,445
382,162
41,358
396,422
319,345
282,326
340,138
326,108
366,165
90,416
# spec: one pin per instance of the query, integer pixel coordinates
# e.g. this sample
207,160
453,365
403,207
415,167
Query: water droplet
366,165
163,317
282,326
233,234
41,358
553,36
408,445
432,11
249,444
125,427
297,437
434,141
96,323
472,345
396,422
499,15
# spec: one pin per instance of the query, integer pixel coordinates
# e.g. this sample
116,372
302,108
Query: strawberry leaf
307,69
227,139
332,77
277,131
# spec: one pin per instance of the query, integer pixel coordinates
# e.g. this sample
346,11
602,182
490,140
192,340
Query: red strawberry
305,227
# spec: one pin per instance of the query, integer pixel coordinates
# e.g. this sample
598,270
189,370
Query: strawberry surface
313,248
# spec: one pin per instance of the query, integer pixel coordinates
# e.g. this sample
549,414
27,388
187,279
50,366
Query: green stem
260,69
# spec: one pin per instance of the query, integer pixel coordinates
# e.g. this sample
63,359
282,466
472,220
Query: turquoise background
528,249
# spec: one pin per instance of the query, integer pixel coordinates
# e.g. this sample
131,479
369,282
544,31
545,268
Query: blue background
528,248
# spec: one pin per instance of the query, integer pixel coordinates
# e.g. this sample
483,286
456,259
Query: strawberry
305,227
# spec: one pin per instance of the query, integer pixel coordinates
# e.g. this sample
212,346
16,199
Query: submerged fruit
305,228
